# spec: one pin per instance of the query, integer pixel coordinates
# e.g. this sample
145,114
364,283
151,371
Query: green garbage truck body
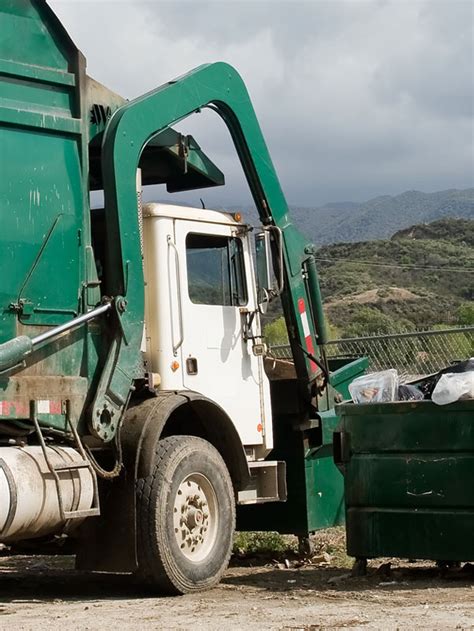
137,404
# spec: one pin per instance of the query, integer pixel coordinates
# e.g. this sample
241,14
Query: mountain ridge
376,218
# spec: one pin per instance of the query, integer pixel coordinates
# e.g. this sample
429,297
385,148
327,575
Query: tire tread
152,548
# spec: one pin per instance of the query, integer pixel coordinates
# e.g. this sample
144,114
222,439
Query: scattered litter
428,384
338,579
449,385
377,387
286,565
321,559
452,387
282,566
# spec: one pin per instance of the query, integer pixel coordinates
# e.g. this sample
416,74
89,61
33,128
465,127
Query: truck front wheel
186,516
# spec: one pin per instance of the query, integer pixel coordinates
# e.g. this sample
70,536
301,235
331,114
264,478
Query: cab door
217,285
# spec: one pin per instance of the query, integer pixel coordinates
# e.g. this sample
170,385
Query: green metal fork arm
220,87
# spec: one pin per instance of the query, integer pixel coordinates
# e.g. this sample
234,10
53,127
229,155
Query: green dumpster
408,478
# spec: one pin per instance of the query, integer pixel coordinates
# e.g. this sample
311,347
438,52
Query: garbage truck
140,410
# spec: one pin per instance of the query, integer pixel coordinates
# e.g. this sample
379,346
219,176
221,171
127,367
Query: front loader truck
139,408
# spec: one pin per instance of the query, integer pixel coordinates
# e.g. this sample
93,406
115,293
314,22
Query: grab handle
178,344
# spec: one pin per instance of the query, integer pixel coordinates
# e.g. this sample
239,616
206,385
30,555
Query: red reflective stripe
55,407
14,408
21,409
308,338
310,349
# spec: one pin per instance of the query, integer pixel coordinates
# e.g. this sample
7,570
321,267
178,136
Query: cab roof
156,209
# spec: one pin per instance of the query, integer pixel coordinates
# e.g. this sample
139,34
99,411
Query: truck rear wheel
186,516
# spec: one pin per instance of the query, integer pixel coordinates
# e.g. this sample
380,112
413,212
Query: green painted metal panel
315,485
53,99
14,115
324,482
409,427
435,535
44,208
48,75
408,471
30,35
412,480
21,93
39,241
324,487
344,371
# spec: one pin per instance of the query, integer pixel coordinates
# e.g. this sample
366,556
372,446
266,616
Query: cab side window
216,273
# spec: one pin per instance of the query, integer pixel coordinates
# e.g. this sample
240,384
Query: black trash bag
428,385
407,392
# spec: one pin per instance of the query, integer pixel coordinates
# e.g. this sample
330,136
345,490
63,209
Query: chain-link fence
412,354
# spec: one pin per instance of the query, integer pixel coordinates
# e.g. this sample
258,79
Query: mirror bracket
266,268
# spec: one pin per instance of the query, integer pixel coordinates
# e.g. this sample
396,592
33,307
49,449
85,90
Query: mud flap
108,543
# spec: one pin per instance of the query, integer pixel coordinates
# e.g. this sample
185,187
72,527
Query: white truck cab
200,289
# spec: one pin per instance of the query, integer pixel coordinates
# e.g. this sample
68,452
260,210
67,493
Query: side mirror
268,286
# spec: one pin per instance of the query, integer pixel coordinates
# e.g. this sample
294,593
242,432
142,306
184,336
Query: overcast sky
356,99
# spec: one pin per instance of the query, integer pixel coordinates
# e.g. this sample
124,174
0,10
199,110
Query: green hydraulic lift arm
131,127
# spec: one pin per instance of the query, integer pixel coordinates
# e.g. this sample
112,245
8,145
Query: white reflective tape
42,407
305,323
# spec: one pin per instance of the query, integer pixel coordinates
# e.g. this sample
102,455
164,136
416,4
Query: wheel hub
195,517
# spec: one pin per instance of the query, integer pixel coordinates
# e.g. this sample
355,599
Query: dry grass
271,545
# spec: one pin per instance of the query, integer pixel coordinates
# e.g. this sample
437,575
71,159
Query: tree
465,314
275,332
369,321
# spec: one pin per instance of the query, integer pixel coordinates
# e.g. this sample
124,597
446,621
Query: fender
108,543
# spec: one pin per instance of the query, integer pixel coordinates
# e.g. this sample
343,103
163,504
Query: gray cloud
355,99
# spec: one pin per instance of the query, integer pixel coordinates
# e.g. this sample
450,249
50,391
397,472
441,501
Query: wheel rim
195,517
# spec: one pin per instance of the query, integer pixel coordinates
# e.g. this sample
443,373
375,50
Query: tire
185,517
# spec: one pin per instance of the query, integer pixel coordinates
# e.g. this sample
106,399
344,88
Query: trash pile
449,385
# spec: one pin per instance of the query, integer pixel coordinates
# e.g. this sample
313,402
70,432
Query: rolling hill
421,277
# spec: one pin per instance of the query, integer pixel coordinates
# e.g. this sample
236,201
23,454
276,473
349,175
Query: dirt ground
257,592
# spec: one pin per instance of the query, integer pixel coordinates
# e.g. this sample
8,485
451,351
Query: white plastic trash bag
378,387
453,386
